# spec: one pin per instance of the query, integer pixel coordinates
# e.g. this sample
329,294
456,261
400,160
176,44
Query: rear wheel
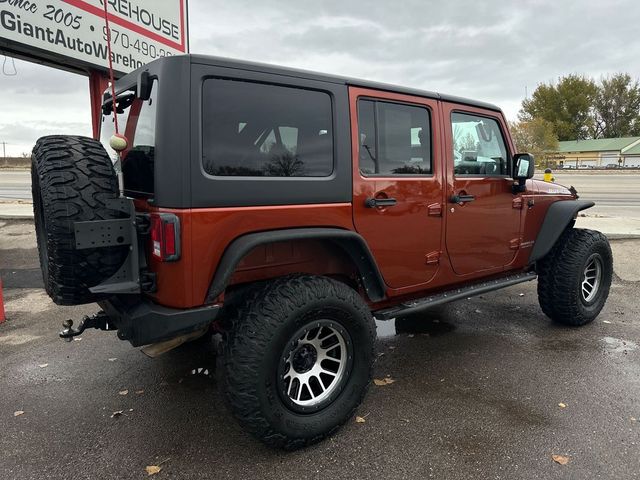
575,277
72,178
297,360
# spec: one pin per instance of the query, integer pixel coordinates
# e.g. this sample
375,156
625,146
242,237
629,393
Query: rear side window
261,130
395,139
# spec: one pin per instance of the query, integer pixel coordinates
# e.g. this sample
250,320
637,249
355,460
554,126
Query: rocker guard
144,322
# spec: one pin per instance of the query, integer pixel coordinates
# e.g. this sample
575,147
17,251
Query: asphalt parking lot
477,394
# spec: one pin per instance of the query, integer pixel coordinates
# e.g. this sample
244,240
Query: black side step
451,295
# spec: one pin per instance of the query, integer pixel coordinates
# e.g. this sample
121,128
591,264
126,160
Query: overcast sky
486,50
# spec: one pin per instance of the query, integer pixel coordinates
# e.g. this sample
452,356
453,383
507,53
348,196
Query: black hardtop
322,77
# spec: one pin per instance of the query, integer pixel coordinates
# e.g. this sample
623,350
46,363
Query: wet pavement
477,390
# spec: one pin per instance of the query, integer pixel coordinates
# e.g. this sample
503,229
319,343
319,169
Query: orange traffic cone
2,316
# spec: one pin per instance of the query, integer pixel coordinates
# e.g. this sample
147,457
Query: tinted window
395,139
254,129
478,146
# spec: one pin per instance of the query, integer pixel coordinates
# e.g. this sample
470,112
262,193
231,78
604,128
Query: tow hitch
100,321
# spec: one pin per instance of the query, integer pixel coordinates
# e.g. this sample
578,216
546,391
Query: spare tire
72,178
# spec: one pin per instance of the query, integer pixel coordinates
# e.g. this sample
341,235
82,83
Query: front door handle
462,198
380,202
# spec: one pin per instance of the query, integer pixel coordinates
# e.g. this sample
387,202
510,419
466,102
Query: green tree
617,107
567,105
535,136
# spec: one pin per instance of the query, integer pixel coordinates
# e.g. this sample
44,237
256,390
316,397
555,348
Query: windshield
137,122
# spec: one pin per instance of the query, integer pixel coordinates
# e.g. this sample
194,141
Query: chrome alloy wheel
591,277
314,365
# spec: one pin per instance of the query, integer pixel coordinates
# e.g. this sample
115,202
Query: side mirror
144,86
524,168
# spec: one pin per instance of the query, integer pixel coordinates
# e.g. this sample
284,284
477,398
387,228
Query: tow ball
100,321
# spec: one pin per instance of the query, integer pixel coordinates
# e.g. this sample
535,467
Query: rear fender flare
558,216
350,242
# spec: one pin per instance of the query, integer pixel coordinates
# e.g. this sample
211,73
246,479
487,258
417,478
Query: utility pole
4,150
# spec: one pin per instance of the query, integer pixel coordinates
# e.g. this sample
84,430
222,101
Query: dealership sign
73,34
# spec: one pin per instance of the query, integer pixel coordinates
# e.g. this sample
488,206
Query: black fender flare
558,216
350,242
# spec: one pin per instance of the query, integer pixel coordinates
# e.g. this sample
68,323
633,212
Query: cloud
489,50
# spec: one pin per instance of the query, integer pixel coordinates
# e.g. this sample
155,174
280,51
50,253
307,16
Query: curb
16,217
622,236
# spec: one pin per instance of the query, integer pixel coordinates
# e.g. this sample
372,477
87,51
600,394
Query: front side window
395,139
478,146
256,129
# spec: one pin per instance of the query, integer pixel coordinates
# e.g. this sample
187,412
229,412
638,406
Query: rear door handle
380,202
462,198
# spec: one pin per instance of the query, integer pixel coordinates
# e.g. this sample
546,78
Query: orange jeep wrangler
286,209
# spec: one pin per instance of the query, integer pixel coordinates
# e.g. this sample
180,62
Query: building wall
581,159
631,160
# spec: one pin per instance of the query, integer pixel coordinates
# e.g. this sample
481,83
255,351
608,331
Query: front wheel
574,278
297,360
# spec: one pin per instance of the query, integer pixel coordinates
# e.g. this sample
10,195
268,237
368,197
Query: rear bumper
143,322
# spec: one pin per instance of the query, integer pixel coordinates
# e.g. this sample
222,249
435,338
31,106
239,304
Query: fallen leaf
522,294
561,459
360,420
123,392
153,469
43,365
77,339
139,392
131,409
562,405
117,413
18,413
112,359
392,347
411,335
478,310
634,419
606,321
383,381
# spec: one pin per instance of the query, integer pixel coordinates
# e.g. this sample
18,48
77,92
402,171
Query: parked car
286,209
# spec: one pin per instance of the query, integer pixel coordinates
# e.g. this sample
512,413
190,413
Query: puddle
414,324
617,345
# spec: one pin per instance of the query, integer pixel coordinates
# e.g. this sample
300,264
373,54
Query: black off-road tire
71,179
560,277
252,358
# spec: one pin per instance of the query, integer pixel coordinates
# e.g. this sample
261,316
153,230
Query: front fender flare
352,243
558,216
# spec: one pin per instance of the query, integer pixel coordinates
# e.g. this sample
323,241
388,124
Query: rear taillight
165,237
